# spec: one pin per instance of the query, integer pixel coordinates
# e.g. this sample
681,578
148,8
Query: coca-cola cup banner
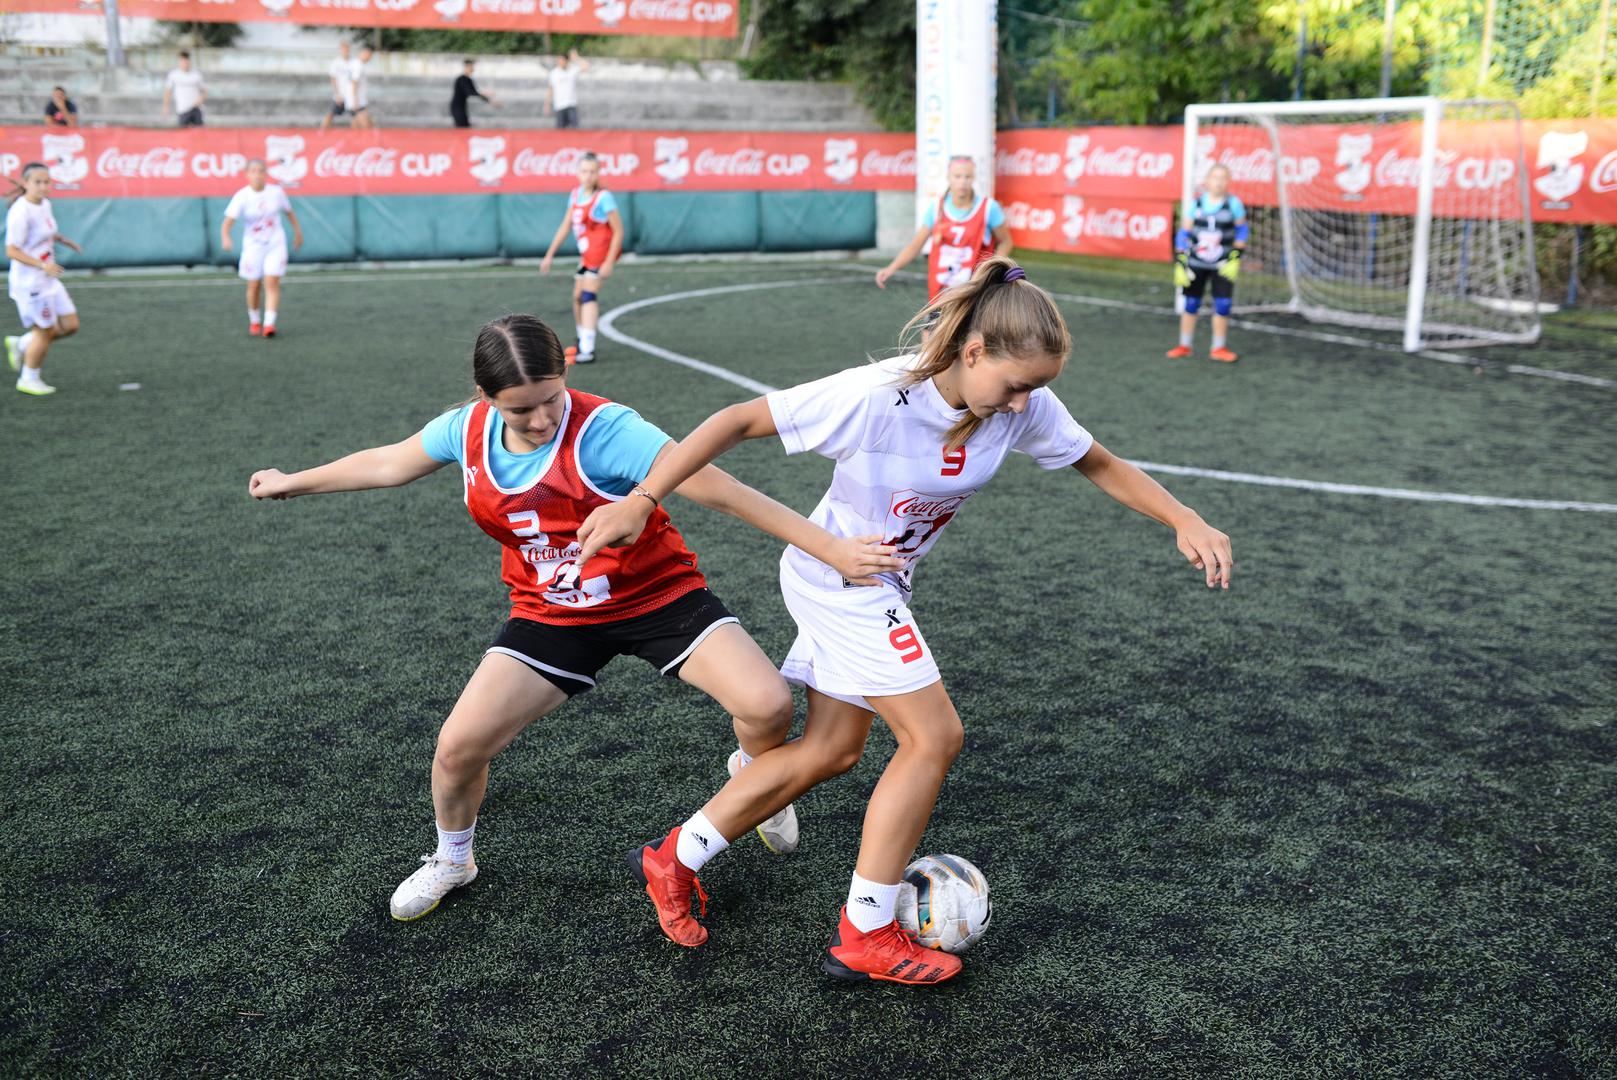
1093,225
142,162
683,18
1571,166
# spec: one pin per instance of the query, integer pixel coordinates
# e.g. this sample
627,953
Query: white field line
608,328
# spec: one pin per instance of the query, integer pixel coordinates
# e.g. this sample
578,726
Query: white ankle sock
743,757
870,904
699,841
586,340
1218,341
1186,338
269,317
31,376
456,846
253,315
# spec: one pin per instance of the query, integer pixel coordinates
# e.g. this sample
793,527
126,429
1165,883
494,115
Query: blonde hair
1016,318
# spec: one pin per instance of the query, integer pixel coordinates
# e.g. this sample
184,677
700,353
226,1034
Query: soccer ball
943,900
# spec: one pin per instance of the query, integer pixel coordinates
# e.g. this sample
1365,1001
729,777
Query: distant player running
964,227
913,438
536,458
1208,249
47,311
592,214
259,207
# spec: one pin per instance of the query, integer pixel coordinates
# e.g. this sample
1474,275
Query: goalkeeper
1207,250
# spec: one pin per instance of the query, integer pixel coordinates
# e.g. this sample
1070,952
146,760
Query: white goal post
1406,214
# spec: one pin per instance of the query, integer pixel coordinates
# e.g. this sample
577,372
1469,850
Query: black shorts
191,117
568,117
571,656
338,108
1223,287
582,270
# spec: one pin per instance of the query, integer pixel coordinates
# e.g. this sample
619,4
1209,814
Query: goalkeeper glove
1181,269
1230,268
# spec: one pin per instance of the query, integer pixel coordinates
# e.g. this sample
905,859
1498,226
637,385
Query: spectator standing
562,96
60,110
465,90
342,84
185,92
360,105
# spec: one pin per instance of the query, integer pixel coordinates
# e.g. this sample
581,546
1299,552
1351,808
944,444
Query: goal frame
1430,111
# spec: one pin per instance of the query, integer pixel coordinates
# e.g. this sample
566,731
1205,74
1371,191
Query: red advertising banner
681,18
1571,165
145,162
1092,225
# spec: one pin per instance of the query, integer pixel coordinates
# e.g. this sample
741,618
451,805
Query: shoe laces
701,894
894,937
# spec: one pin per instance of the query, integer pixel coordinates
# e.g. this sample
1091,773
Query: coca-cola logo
160,162
876,163
564,162
1604,178
373,161
1025,217
1125,162
1025,161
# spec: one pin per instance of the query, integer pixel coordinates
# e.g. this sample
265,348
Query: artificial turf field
1353,818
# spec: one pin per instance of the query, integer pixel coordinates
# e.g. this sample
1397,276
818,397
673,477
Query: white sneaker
421,891
12,356
779,833
36,387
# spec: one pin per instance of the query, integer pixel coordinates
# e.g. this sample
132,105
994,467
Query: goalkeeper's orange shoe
1178,352
886,954
670,883
1224,356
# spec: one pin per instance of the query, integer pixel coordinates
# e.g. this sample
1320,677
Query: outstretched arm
1203,546
378,467
555,241
856,559
903,258
297,229
622,522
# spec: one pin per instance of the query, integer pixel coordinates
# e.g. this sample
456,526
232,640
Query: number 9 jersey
537,526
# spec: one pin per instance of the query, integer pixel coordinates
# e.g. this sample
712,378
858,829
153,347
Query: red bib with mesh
594,237
538,528
957,248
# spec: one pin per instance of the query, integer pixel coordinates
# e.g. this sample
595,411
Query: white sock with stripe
699,841
870,904
586,340
455,846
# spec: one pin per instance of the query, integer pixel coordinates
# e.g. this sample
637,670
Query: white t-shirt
342,74
564,88
187,88
893,475
358,85
260,214
33,229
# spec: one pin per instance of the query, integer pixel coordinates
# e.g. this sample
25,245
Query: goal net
1400,214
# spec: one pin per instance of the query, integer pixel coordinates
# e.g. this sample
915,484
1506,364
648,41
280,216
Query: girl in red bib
536,459
592,215
964,229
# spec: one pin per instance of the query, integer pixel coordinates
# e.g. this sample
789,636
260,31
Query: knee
1222,305
941,743
766,712
458,757
1192,304
839,759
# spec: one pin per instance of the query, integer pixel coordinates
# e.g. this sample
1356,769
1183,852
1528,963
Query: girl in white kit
35,281
913,438
259,207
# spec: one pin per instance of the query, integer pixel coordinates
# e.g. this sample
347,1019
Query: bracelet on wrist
639,489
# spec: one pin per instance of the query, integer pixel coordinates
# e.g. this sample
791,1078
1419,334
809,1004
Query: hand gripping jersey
538,528
893,474
260,214
957,247
33,229
594,237
1214,230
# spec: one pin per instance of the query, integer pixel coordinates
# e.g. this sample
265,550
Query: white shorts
262,260
855,640
44,305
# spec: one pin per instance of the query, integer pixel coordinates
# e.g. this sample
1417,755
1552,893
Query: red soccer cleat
889,954
1224,356
1178,352
255,329
269,331
669,883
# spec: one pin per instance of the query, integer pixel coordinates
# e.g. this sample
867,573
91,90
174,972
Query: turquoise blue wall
156,232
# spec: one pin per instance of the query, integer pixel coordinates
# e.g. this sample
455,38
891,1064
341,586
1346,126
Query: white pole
115,43
956,57
1420,259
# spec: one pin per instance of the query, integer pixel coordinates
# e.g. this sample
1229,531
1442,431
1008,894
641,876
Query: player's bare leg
502,697
586,312
255,317
1187,333
1221,337
272,303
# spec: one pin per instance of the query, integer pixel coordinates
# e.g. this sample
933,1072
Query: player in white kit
35,281
913,438
259,207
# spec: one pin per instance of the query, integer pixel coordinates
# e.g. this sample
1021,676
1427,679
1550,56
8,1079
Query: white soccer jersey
893,475
260,214
33,229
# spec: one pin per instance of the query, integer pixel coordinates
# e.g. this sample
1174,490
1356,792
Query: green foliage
868,42
198,34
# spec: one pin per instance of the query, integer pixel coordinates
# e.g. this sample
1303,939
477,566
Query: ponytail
1015,317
